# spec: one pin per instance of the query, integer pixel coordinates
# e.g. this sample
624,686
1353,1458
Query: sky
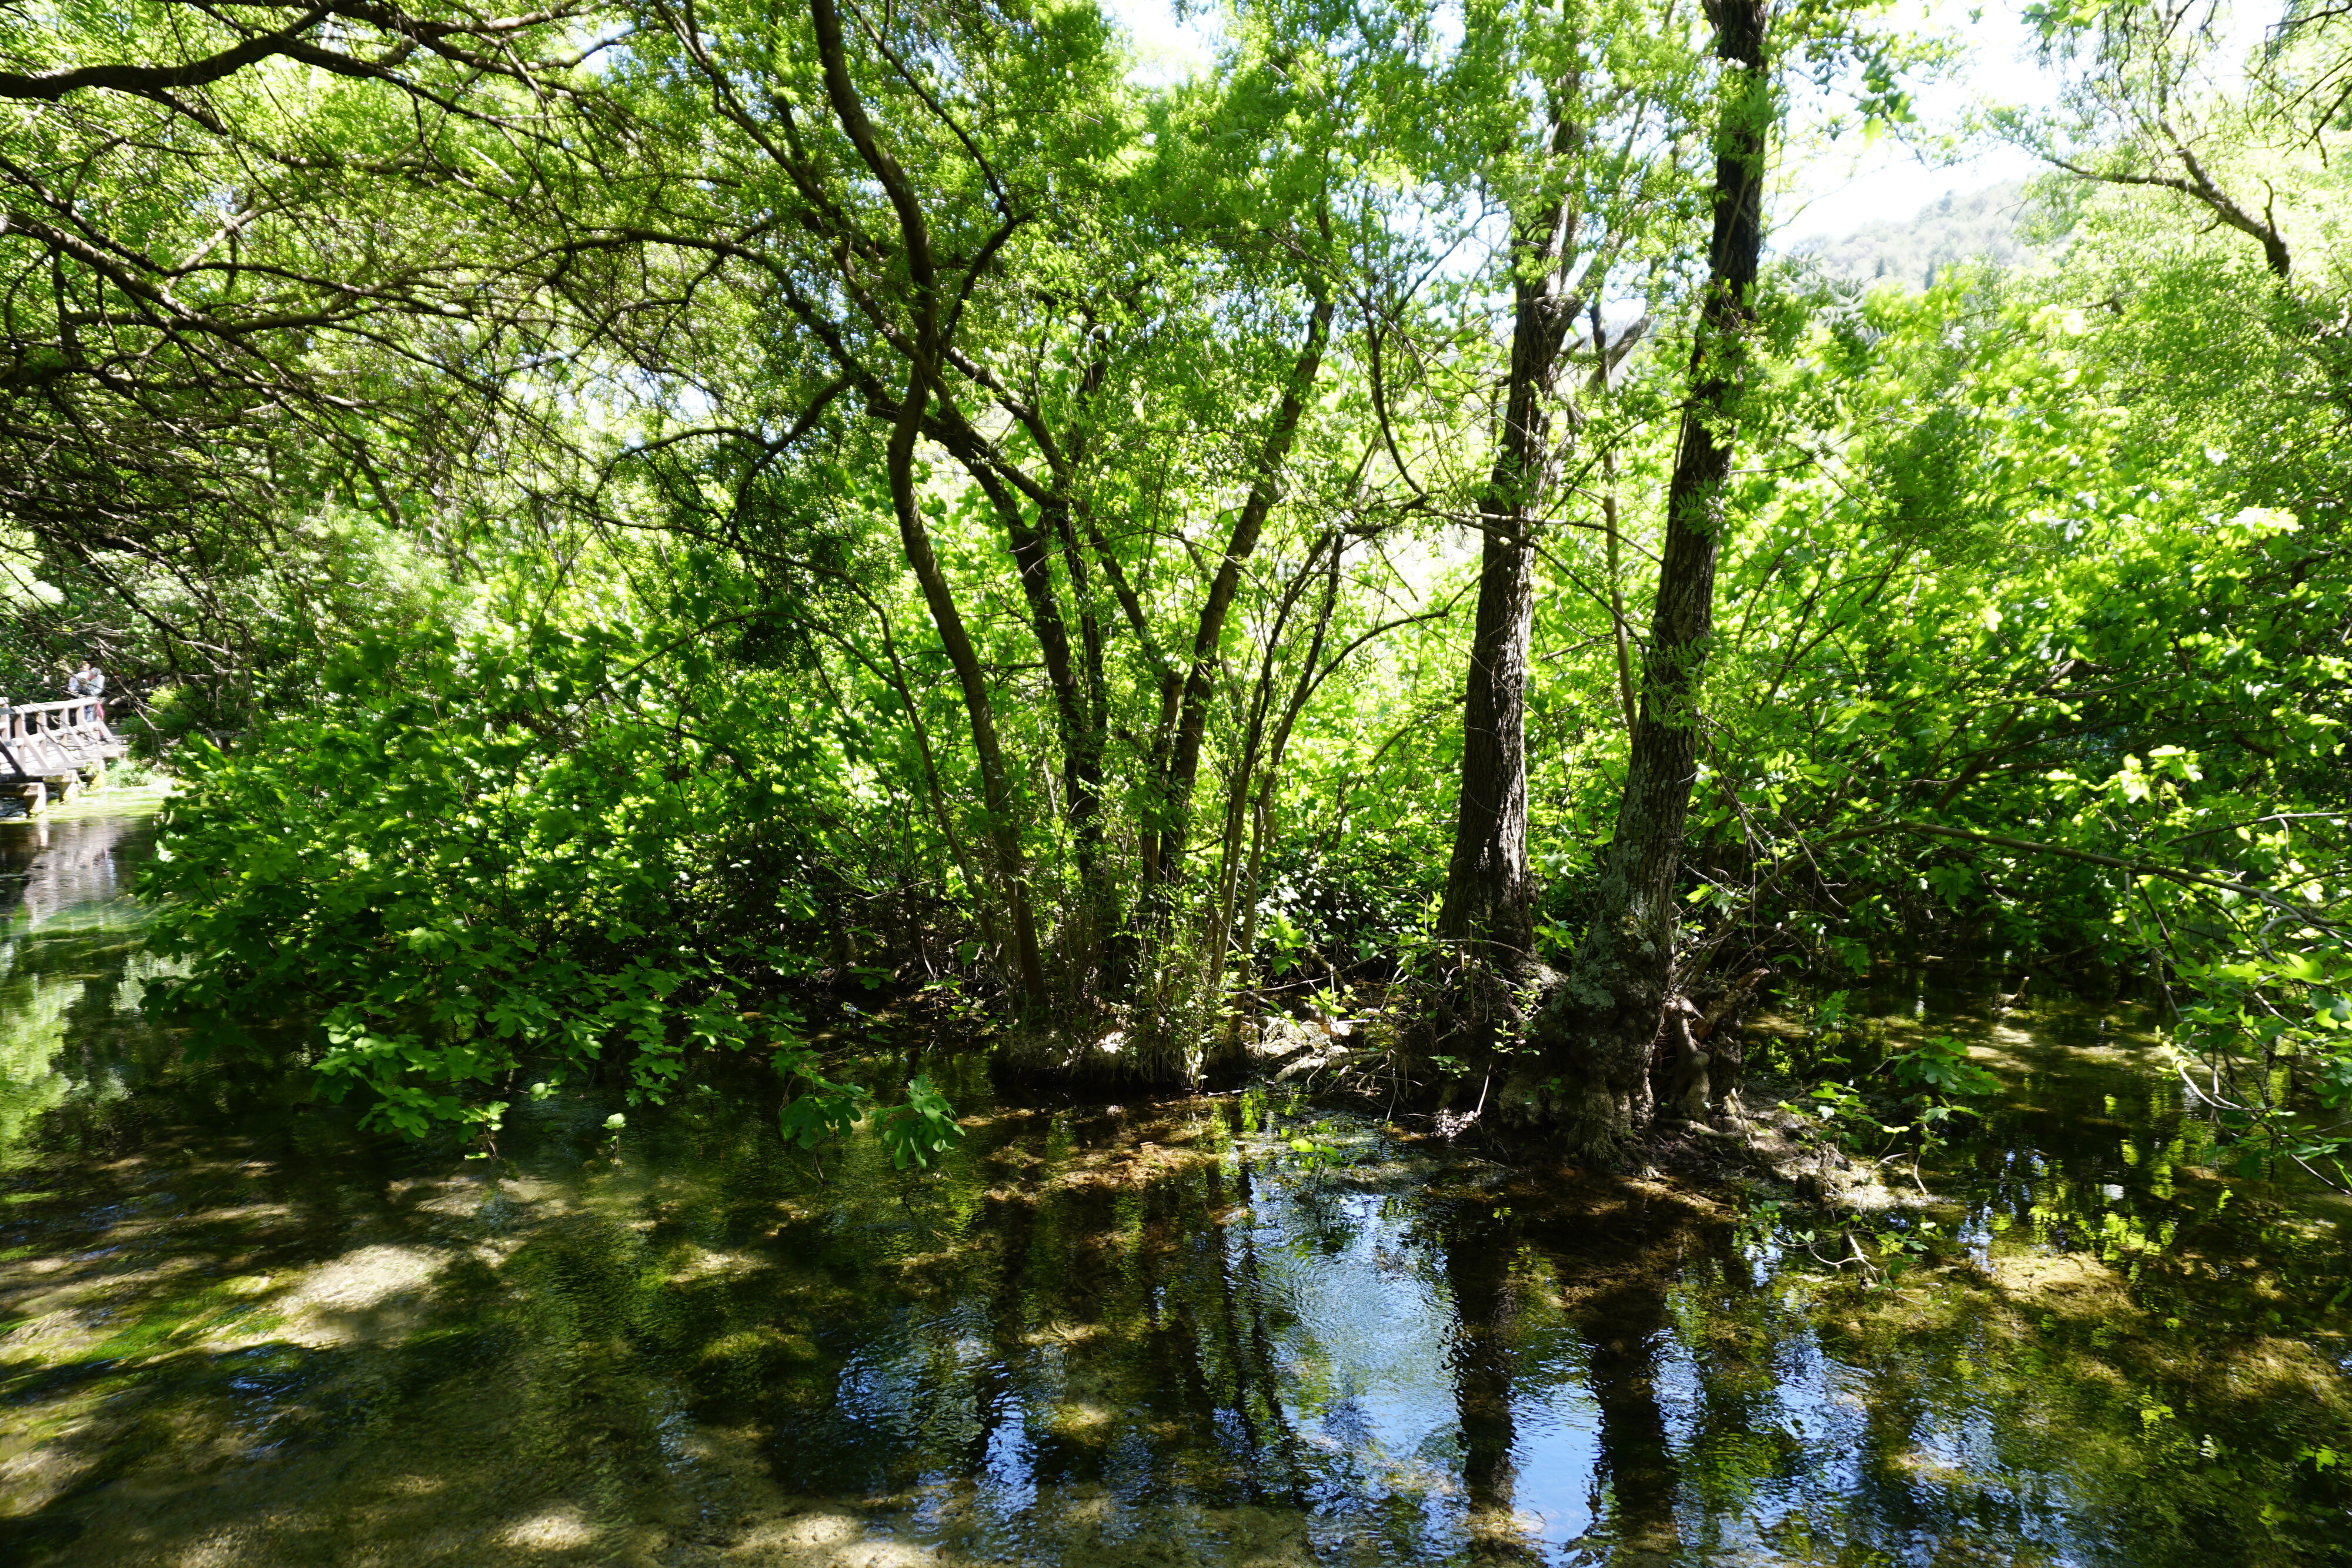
1829,194
1834,192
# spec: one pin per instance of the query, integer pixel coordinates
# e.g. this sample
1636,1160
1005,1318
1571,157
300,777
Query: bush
471,867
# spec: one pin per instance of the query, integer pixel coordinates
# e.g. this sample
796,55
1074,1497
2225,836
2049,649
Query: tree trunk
1489,899
1192,711
1259,767
1488,908
1077,709
938,596
1604,1023
996,791
1085,762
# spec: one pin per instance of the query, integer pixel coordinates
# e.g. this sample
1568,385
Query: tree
1580,202
1215,239
2147,107
1008,514
1611,1009
252,287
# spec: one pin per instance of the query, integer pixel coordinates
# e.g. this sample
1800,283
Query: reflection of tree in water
1010,1213
1079,1318
47,868
1610,1262
1478,1249
1741,1342
33,1017
1170,1335
1074,1324
65,957
1090,1337
1623,1324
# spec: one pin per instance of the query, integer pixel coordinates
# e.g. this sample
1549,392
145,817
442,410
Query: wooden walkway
52,751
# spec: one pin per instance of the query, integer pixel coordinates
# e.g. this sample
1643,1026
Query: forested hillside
1956,229
636,521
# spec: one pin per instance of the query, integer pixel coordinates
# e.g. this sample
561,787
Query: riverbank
116,801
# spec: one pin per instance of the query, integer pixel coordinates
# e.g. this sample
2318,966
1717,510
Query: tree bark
1073,709
1489,898
1259,767
996,790
1606,1020
1488,907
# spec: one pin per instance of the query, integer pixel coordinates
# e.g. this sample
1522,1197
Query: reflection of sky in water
1230,1360
1364,1361
1558,1454
1367,1351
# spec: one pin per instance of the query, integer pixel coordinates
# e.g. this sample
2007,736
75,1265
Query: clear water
235,1331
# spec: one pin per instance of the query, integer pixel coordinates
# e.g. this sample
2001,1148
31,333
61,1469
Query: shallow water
237,1330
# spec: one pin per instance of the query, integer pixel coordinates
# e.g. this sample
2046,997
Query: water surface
239,1331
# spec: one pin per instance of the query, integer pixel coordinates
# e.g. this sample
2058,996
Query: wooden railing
55,745
74,712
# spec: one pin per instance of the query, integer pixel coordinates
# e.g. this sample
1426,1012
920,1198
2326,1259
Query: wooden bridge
52,751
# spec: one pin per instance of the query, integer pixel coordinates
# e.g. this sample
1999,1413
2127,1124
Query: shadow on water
238,1331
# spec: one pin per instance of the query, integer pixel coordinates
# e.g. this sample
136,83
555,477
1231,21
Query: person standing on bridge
89,681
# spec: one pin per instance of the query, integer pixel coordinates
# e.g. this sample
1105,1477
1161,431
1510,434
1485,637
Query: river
235,1330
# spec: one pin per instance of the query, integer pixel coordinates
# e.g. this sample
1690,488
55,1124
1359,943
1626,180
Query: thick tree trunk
1489,899
1605,1022
1488,908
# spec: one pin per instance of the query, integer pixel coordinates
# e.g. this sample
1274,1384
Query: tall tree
1605,1022
1489,897
1582,182
1129,308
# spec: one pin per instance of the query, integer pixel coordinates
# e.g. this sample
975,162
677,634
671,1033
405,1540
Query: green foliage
288,357
1936,1075
826,1110
2260,1016
2028,637
1940,1065
511,855
919,1131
